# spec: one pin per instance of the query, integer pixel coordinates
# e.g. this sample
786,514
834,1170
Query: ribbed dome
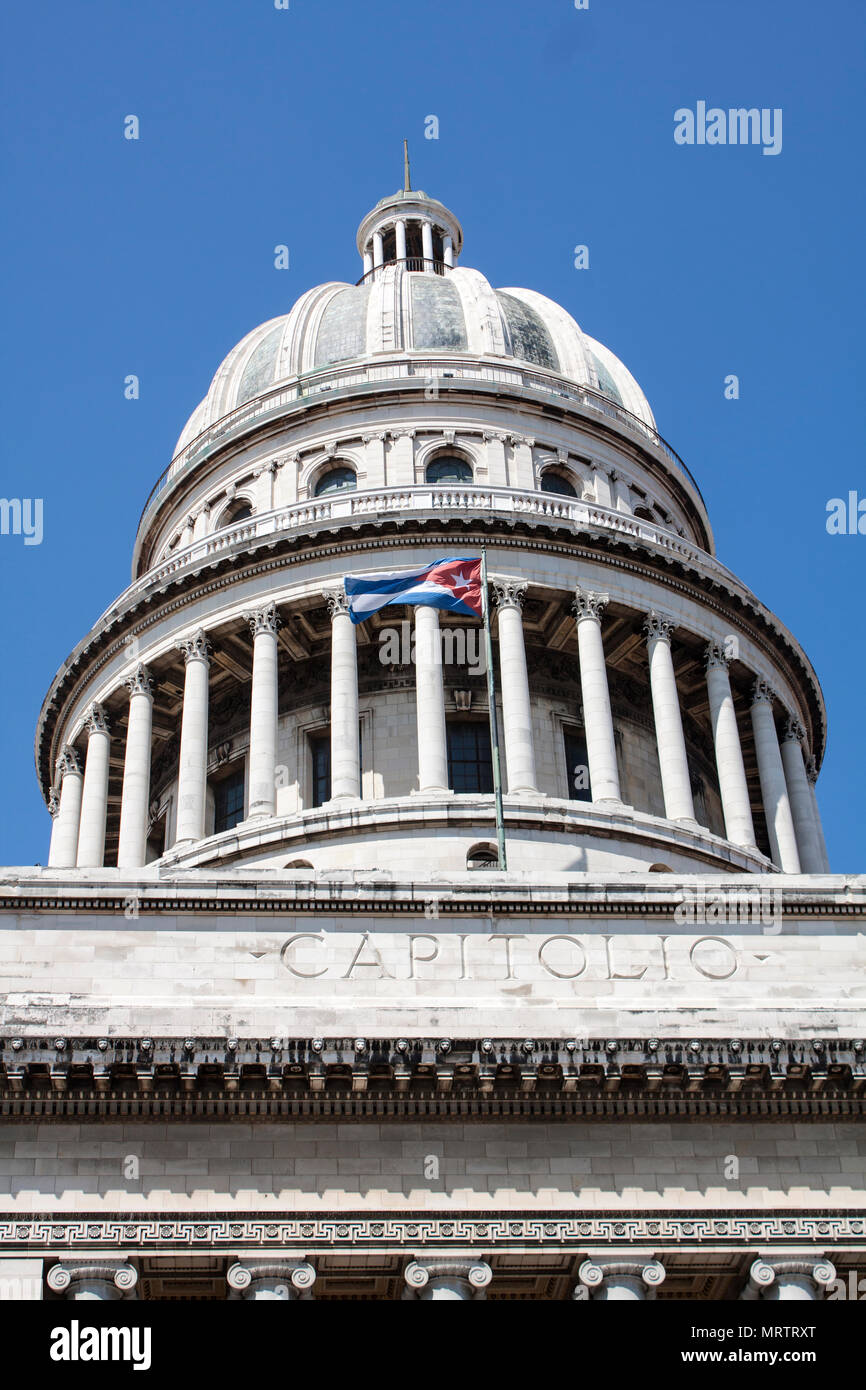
410,311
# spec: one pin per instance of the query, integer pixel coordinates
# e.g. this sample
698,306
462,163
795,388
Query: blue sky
262,126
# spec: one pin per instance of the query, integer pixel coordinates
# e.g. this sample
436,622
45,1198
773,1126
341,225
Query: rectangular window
577,765
470,768
320,748
228,796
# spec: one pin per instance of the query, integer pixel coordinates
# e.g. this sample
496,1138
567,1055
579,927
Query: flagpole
494,722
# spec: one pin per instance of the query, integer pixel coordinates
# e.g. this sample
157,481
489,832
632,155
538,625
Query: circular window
555,483
336,480
449,470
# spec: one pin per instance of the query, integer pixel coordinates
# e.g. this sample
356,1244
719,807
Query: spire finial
407,181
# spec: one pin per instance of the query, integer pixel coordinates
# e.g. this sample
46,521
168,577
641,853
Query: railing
387,503
299,391
423,263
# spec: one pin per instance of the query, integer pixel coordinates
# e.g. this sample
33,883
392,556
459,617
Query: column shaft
427,244
670,742
192,769
774,791
812,774
597,717
345,743
94,794
430,703
733,786
135,801
400,239
800,797
64,836
514,684
264,699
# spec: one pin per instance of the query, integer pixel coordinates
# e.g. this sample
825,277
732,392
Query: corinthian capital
264,620
588,604
762,692
336,600
195,648
140,682
812,768
716,655
658,626
96,720
53,802
68,761
509,593
794,729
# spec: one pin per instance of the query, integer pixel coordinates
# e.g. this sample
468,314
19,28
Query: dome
398,310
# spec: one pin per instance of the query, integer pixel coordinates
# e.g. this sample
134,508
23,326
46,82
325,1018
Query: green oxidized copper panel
261,369
530,340
437,314
343,329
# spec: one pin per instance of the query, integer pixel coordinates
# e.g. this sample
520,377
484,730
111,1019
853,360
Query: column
729,753
21,1279
271,1281
263,712
447,249
135,800
427,244
345,741
597,718
378,255
192,766
400,234
368,262
94,793
64,836
93,1280
514,684
455,1279
670,743
787,1278
800,797
812,778
54,813
619,1277
774,791
430,703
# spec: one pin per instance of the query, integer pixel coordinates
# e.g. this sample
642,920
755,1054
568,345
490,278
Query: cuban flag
451,584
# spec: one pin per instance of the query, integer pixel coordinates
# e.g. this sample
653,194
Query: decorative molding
53,803
588,604
311,1233
140,682
794,730
195,648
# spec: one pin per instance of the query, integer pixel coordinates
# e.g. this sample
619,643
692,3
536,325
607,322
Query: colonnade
374,255
625,1276
786,777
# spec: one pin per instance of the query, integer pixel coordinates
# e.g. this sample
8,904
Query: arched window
557,484
241,510
299,864
340,479
449,469
482,857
